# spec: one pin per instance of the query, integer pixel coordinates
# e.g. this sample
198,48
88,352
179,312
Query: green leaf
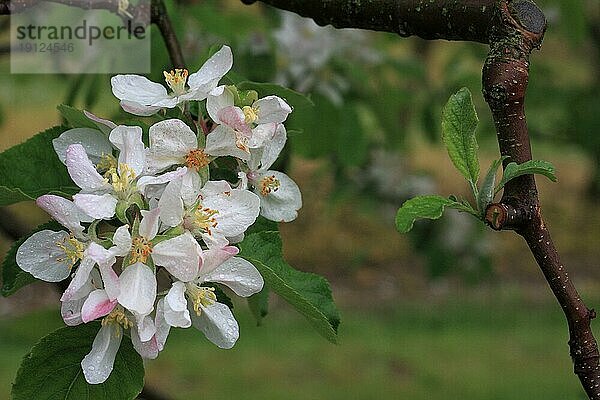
459,121
52,369
13,277
75,118
31,169
429,206
514,170
308,293
486,191
295,99
259,304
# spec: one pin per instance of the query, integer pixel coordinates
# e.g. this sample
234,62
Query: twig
512,28
160,18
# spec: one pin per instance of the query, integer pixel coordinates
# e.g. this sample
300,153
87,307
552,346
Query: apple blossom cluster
149,237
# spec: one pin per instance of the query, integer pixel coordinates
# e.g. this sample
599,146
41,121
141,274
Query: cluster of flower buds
149,237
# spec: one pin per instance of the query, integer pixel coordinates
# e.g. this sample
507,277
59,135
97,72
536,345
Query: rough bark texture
512,28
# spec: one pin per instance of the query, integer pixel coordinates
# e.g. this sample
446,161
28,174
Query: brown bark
512,28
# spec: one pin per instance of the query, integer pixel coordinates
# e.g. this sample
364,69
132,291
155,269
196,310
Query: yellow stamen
122,179
204,219
108,164
201,296
196,159
241,142
117,316
141,249
176,80
269,184
250,114
73,249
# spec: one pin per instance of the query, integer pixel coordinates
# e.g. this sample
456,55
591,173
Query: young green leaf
486,191
459,121
429,206
13,277
308,293
32,168
52,369
514,170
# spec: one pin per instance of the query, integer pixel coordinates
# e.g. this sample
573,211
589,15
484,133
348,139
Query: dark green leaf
459,121
430,207
31,169
75,118
308,293
52,369
259,304
514,170
13,277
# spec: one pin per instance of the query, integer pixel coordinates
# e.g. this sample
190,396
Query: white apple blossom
140,96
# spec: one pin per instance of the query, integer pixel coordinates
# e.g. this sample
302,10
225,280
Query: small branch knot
528,15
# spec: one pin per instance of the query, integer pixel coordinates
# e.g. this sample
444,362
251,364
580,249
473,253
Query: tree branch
512,28
160,18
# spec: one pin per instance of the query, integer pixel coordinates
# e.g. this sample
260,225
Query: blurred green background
451,310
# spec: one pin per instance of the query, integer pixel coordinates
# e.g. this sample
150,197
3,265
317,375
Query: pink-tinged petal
218,99
162,327
64,211
170,141
281,204
234,118
176,313
214,257
94,142
239,275
180,256
137,89
103,124
138,288
222,142
271,109
171,204
96,206
121,241
144,181
98,363
128,139
138,109
96,305
81,278
83,172
42,255
147,349
218,325
149,223
208,76
105,260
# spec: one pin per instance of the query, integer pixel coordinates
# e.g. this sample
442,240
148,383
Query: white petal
222,142
271,109
218,324
237,209
41,257
98,363
139,109
170,141
162,327
282,204
261,135
80,278
239,275
96,305
272,147
213,257
83,172
149,223
93,141
190,187
148,349
144,326
103,124
128,139
138,288
180,256
137,89
96,206
144,181
105,260
71,311
208,76
235,119
218,99
171,204
64,211
176,313
121,241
